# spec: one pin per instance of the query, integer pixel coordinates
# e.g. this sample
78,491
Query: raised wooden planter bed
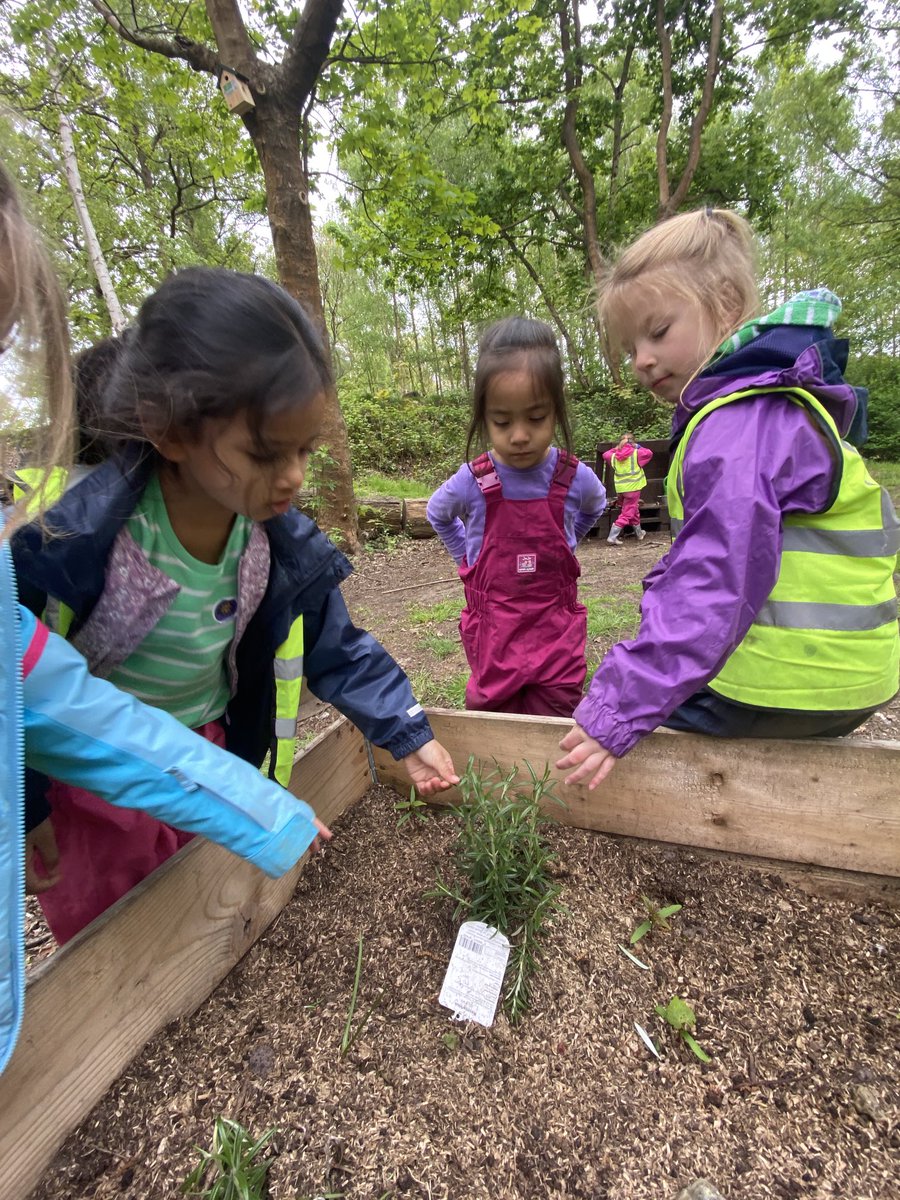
821,813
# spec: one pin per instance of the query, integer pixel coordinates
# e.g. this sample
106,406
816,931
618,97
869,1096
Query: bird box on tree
236,91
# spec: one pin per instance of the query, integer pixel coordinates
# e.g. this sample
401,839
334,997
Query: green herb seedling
350,1034
413,807
503,867
680,1016
657,918
229,1171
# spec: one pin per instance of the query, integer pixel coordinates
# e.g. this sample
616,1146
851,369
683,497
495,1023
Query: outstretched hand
40,848
431,768
592,762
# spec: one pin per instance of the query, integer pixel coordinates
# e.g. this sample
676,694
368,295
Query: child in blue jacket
59,719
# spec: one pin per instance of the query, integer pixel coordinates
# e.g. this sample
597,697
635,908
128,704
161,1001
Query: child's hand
324,835
431,768
40,847
591,760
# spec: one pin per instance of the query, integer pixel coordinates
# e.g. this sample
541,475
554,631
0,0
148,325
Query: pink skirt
104,851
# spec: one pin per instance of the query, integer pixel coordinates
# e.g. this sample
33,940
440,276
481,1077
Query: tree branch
199,58
308,49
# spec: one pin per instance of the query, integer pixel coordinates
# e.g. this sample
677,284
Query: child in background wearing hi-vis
183,573
511,521
774,612
628,461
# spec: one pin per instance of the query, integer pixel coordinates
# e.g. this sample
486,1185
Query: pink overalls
523,630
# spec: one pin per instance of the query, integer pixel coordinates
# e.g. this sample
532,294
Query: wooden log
415,523
153,957
380,515
830,802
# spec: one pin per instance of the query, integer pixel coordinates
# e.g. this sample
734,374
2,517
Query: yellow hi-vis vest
39,486
826,640
288,682
629,476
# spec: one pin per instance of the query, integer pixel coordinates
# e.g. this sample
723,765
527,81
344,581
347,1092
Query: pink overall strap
35,648
566,466
486,476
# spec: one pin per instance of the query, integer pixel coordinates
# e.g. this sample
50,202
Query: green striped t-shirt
180,665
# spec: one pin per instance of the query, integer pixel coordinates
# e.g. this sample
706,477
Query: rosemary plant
503,867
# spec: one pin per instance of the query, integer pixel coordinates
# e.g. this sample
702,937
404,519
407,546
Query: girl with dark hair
511,520
182,572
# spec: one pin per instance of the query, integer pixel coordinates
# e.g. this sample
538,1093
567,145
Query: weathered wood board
154,956
835,803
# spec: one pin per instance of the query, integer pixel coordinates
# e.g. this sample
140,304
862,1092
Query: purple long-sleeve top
747,465
456,510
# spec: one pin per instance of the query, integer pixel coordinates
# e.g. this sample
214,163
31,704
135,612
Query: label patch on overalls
526,564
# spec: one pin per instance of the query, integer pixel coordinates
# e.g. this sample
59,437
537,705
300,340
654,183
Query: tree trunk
95,253
276,136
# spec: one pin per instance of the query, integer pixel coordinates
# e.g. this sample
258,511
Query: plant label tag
475,973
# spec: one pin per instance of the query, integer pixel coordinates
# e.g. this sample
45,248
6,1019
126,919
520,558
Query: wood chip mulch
796,1000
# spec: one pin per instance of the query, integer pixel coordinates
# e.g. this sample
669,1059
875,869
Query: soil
796,1002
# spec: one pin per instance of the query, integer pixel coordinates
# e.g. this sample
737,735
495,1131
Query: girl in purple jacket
511,520
774,612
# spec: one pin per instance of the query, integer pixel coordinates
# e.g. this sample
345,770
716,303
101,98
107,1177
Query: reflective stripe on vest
288,682
826,639
629,475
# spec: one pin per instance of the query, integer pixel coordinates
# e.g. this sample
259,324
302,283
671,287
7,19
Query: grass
230,1170
888,475
373,484
504,869
439,646
611,617
444,610
440,693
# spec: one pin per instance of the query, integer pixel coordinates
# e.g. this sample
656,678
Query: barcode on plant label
470,944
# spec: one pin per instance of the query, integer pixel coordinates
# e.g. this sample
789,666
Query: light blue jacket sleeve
86,732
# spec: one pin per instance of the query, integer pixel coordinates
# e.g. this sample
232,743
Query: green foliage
440,693
440,647
372,483
657,919
413,807
610,617
881,375
230,1170
680,1017
350,1033
444,610
393,433
504,868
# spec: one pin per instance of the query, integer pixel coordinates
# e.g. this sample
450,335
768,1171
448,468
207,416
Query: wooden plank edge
153,957
825,802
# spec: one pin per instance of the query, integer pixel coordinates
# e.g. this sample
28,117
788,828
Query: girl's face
520,421
226,470
669,337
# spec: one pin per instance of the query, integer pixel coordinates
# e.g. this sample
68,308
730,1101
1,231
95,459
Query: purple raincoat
748,464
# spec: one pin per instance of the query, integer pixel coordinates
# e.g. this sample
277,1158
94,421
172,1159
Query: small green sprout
413,807
229,1171
680,1016
350,1034
657,918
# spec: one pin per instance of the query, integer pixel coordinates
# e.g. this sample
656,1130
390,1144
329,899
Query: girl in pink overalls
511,520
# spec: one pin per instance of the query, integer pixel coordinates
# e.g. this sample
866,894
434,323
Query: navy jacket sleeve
347,667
